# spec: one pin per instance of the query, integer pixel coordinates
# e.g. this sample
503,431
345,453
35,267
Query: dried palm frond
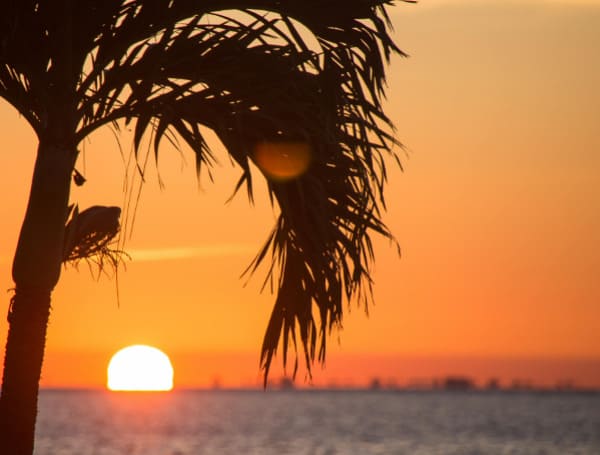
89,236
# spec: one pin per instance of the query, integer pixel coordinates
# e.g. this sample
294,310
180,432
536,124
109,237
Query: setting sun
140,368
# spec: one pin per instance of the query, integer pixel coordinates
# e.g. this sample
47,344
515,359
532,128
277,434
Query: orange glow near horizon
140,368
497,213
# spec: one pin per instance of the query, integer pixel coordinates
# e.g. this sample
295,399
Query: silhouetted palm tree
249,71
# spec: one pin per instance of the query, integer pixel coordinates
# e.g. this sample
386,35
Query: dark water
317,422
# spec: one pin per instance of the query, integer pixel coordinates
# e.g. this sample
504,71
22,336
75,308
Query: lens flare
282,161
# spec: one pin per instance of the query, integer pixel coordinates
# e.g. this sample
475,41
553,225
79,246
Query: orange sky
497,213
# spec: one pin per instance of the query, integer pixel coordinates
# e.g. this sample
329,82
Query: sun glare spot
282,161
140,368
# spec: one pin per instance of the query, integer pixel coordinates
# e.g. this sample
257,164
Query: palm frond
90,236
248,70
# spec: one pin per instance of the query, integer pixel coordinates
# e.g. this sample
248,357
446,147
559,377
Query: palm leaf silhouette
295,73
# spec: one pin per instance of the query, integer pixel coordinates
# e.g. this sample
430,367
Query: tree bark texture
28,318
36,269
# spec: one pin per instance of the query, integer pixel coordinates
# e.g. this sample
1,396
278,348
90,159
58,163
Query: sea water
317,422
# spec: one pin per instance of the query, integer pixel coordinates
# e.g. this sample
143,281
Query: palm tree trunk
36,269
22,367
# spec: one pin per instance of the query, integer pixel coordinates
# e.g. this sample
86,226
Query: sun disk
140,368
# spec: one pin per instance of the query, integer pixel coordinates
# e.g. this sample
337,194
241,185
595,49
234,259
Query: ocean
318,423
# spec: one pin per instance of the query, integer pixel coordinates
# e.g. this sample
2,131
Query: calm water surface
317,422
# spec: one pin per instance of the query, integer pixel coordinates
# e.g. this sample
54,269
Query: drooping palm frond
308,72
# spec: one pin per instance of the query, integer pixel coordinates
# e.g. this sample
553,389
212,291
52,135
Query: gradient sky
497,213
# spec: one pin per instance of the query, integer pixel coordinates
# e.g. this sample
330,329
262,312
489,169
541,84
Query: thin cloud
169,254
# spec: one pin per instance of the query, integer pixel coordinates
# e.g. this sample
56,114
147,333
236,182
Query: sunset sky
497,213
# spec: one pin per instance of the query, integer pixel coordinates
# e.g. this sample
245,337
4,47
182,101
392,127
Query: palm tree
272,77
